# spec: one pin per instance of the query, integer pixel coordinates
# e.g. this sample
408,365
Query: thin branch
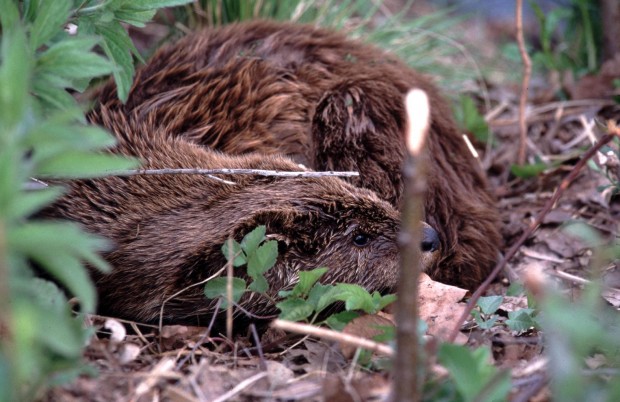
258,172
408,360
527,72
331,335
613,132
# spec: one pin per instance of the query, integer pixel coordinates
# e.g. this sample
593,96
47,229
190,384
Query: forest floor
179,363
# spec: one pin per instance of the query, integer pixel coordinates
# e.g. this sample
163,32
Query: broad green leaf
77,164
263,258
489,304
237,253
486,324
322,296
521,320
50,18
307,279
355,297
381,302
338,321
250,241
472,371
294,309
259,284
216,287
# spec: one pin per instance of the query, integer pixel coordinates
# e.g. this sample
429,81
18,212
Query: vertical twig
525,83
229,290
408,359
613,130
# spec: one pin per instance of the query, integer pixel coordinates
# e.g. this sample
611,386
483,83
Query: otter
167,231
327,102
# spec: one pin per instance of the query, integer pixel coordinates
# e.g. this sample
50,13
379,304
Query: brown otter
325,101
167,231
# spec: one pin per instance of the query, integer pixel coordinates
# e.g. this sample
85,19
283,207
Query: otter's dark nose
430,240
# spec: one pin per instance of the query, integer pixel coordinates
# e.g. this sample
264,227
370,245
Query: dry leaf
439,306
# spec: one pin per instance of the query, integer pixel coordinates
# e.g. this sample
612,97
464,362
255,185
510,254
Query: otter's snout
430,239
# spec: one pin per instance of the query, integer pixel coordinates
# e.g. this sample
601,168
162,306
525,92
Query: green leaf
216,287
528,171
32,201
154,4
77,164
259,284
470,119
294,309
72,59
118,47
50,18
321,296
307,279
14,78
355,297
521,320
237,253
59,248
475,377
134,17
338,321
381,302
263,258
489,304
486,324
250,241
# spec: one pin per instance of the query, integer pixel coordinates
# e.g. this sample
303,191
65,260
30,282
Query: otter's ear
358,126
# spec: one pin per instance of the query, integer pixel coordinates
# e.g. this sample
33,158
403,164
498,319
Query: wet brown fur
167,231
325,101
253,92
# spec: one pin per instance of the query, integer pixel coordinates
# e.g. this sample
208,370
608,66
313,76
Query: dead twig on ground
613,131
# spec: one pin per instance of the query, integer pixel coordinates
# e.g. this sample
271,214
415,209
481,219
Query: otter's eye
361,239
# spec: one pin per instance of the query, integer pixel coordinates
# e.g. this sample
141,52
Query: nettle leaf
263,258
321,296
216,287
259,284
381,302
473,373
237,253
489,304
294,309
355,297
488,324
338,321
307,279
49,20
250,241
521,320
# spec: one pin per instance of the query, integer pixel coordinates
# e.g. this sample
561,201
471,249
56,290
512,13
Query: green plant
578,51
475,378
43,134
308,298
469,118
